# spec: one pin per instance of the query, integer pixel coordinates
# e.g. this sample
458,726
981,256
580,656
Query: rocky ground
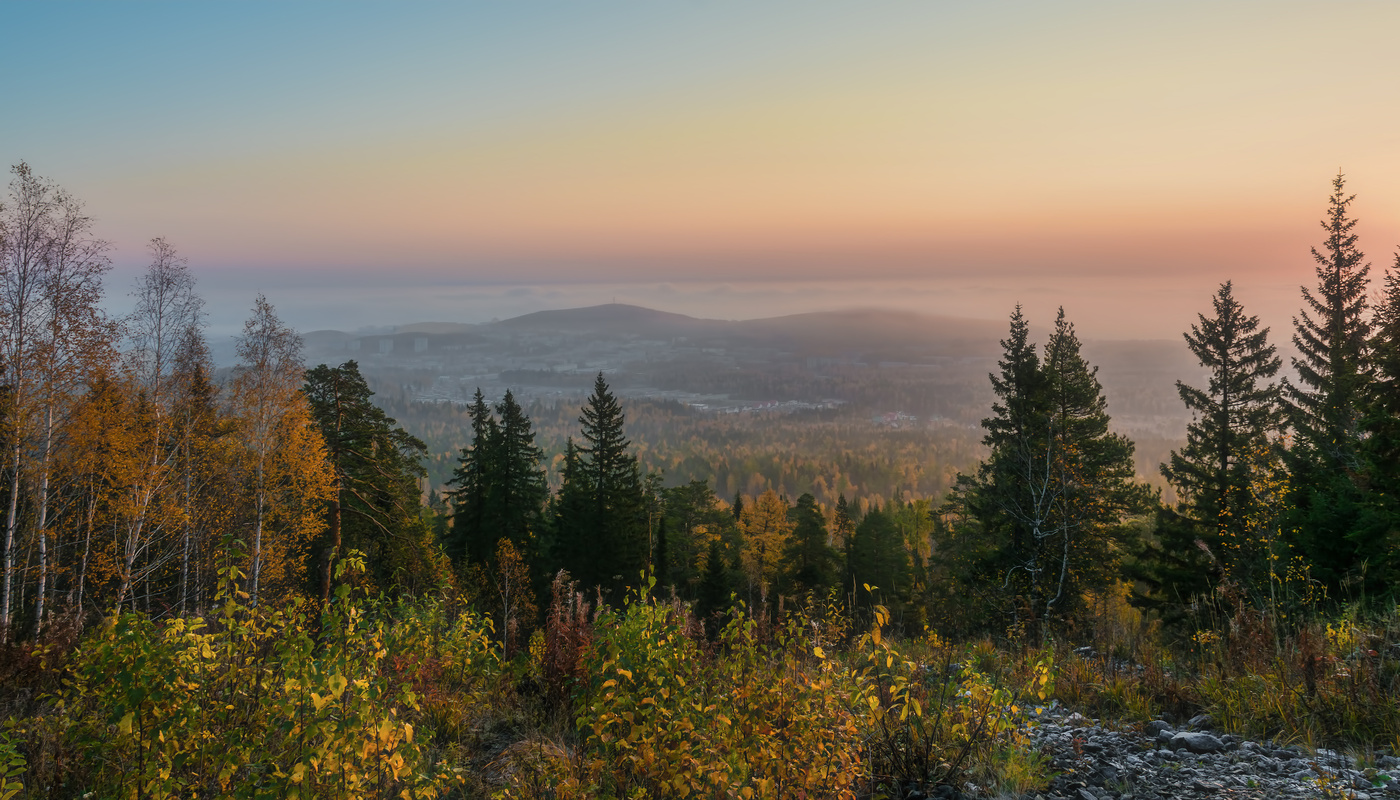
1096,761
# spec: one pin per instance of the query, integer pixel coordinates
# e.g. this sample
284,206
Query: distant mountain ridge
816,332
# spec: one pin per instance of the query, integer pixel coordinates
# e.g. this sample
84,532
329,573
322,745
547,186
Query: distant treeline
132,479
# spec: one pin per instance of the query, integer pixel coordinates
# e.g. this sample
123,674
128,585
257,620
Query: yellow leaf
298,773
124,727
818,652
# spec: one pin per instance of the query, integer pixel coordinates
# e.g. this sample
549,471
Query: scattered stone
1199,743
1098,763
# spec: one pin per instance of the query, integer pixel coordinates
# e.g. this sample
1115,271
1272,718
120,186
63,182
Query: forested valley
257,582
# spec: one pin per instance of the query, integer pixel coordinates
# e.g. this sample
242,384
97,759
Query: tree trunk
333,549
43,524
258,503
11,523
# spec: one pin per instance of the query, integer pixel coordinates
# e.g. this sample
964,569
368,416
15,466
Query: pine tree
377,467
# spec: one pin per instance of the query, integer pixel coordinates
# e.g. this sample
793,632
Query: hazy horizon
366,165
1162,312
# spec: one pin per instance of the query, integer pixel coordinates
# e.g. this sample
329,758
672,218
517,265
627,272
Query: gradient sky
473,160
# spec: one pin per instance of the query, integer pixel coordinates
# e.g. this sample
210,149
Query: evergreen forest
257,583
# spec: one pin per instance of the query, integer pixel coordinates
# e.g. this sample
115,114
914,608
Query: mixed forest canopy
132,473
256,582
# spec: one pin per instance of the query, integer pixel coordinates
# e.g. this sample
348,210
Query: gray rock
1197,742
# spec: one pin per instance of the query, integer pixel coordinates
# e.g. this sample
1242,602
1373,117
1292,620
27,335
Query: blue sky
521,148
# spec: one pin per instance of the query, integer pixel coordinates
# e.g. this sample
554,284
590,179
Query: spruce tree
1237,412
1016,436
661,558
692,513
1378,533
1095,473
470,539
843,529
602,527
515,485
1057,484
568,548
1233,417
714,591
879,559
1332,332
1382,421
812,563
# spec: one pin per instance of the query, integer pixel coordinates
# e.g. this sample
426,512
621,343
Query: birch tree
264,390
167,311
54,331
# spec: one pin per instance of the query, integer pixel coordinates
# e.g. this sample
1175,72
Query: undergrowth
366,698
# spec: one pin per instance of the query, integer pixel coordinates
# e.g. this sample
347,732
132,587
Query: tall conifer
1233,417
516,489
1331,338
1057,484
376,466
600,525
1326,409
1378,535
470,541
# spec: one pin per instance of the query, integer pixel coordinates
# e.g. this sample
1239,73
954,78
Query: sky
367,164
